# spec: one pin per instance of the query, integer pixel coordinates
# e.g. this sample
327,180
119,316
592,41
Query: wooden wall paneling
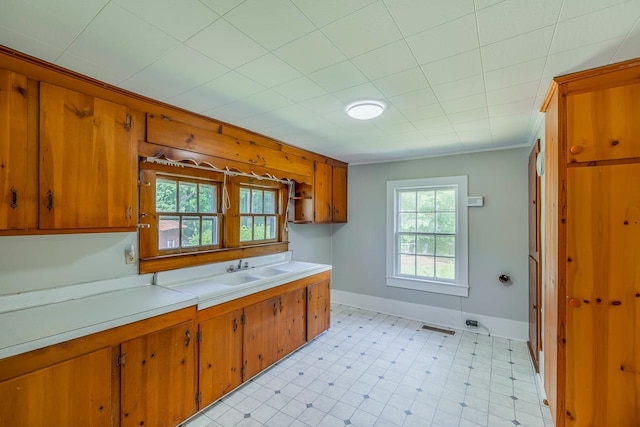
323,193
14,150
603,313
148,219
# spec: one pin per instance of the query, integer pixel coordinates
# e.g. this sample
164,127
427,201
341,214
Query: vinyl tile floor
377,370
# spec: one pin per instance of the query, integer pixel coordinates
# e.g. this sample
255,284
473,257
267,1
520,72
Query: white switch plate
475,201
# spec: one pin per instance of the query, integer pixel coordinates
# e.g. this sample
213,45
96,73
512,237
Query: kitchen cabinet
260,344
592,240
329,193
75,392
13,151
220,356
158,382
318,308
339,193
292,331
88,161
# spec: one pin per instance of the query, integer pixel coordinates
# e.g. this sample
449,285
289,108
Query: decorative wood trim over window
194,214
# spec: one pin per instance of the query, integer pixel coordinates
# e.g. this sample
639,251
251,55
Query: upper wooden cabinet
88,161
330,193
13,150
339,187
604,124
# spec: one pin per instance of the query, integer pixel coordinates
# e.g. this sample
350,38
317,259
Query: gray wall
497,232
311,242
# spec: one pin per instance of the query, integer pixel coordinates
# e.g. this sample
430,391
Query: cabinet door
13,150
158,386
604,124
260,336
220,364
323,193
87,161
318,308
339,194
72,393
603,284
292,331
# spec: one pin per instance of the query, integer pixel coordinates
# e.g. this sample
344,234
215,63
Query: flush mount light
365,110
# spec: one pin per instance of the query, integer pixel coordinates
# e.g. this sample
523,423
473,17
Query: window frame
460,285
276,214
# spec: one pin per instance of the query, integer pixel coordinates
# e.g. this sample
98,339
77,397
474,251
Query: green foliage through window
257,214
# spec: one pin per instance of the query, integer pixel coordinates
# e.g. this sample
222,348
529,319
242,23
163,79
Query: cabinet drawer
604,124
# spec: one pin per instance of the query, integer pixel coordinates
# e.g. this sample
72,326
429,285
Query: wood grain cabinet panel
292,331
260,344
339,189
13,151
158,377
220,356
76,392
604,124
88,161
323,193
318,308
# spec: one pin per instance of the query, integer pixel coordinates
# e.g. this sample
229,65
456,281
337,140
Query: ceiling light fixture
365,110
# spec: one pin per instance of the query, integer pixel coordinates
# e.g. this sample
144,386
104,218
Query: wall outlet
130,255
473,323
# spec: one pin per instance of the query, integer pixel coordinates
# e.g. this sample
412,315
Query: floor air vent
434,329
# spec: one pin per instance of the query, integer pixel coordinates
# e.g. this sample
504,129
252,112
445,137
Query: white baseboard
438,316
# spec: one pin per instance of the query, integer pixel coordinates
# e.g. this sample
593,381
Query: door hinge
128,212
242,372
199,336
198,398
121,359
243,319
128,124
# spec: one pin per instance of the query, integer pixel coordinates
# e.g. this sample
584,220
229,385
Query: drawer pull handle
14,198
187,339
235,324
576,149
50,197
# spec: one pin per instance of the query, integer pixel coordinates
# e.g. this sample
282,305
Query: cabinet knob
574,302
576,149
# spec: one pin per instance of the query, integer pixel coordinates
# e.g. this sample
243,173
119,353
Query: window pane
446,268
446,200
208,199
407,244
256,201
446,222
188,197
166,199
426,201
190,232
446,246
426,223
269,202
407,222
425,266
407,201
209,230
246,225
245,200
168,232
407,265
258,228
426,245
271,227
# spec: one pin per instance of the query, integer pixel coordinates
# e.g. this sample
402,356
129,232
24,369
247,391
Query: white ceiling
456,75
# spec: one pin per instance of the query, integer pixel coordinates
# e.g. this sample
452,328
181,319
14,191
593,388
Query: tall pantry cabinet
592,249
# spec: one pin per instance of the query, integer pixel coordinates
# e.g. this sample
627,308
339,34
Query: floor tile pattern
377,370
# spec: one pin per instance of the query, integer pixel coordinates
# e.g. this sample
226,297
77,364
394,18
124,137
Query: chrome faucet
239,267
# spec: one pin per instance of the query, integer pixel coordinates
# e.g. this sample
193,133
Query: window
427,235
258,220
188,213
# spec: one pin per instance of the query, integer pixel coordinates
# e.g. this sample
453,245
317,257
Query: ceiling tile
88,68
268,70
270,23
338,76
310,53
461,35
473,125
28,45
200,99
365,91
460,88
465,104
52,23
232,113
415,16
615,21
132,47
517,49
180,19
422,112
267,100
416,98
326,11
221,6
404,82
582,58
363,30
300,89
386,60
324,104
453,68
574,8
474,137
513,93
178,71
515,74
469,116
481,4
512,18
518,107
236,50
630,48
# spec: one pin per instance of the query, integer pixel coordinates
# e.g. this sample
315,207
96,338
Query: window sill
454,289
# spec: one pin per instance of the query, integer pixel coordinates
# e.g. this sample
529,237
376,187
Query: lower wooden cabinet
292,331
260,345
318,308
158,384
75,392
